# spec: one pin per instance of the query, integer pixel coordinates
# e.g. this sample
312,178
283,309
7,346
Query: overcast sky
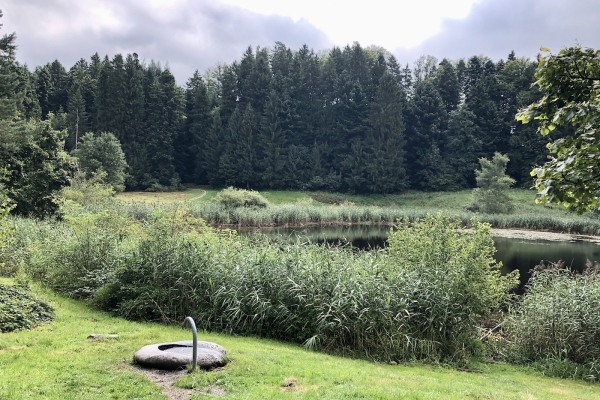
196,34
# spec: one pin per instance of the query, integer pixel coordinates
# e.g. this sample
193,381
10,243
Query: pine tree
258,81
77,118
44,89
192,137
448,85
462,147
228,172
163,116
229,92
245,150
426,121
491,195
272,142
385,169
212,150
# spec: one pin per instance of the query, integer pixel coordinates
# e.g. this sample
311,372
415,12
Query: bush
456,280
19,310
234,198
556,325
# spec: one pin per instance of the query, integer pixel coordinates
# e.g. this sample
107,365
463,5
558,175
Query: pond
514,253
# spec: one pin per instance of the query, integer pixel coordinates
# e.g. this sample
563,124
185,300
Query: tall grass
380,304
556,325
305,214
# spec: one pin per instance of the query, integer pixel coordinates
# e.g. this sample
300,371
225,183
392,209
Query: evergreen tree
228,172
448,85
229,92
58,76
272,142
133,127
77,118
258,81
189,142
33,166
485,99
163,116
29,107
426,122
245,150
212,150
44,89
491,194
462,147
385,169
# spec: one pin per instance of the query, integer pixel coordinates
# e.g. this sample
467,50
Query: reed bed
382,305
556,325
294,215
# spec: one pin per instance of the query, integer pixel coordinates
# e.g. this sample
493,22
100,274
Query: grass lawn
524,201
56,361
451,201
283,197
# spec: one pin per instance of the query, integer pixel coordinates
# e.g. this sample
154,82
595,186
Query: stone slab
175,355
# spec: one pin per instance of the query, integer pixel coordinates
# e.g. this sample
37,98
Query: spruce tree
426,122
191,138
272,142
448,85
228,172
211,151
385,169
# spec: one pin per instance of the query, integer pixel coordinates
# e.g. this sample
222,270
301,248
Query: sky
197,34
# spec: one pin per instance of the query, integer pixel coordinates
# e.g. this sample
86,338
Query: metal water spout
195,341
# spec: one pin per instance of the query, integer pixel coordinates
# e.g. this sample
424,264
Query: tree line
352,119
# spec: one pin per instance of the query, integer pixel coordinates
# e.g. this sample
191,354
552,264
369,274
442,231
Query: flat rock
175,355
98,336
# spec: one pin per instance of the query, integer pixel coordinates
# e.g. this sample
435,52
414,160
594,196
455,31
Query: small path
201,195
165,380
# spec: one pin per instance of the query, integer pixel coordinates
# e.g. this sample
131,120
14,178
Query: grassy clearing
56,361
290,209
451,201
283,197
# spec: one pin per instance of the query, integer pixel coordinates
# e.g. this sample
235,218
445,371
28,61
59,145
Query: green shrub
457,280
19,310
556,325
235,198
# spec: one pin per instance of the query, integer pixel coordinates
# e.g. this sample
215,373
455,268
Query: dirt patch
539,235
165,379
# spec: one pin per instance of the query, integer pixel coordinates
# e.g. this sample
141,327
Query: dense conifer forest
352,119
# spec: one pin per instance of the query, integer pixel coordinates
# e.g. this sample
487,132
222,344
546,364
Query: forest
350,120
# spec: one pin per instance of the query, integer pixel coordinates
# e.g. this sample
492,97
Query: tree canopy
104,152
571,82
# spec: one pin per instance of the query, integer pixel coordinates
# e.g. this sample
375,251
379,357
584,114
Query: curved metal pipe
195,341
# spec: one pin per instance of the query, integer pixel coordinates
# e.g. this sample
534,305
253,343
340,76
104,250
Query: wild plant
556,325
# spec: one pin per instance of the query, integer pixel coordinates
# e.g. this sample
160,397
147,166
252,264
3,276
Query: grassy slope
56,361
451,201
274,197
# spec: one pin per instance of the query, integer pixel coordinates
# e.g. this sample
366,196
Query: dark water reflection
515,254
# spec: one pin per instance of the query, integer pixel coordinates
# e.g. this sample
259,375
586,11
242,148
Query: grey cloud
495,27
189,35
